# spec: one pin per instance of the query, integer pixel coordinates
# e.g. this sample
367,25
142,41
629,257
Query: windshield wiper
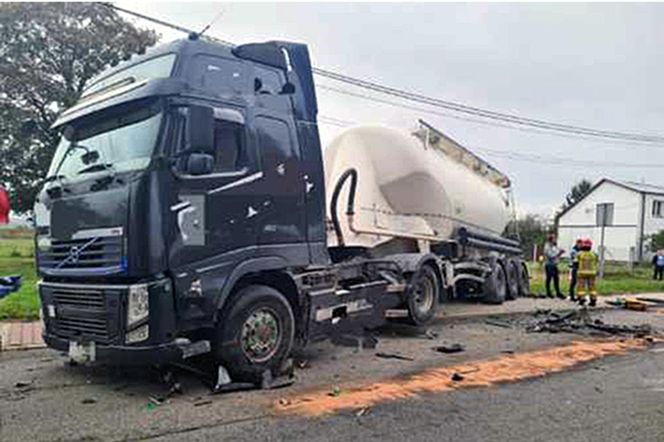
96,168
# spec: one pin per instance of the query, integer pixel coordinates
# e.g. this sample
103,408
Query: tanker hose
349,206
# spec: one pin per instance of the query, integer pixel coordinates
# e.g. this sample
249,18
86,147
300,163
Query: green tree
531,229
656,241
48,53
578,191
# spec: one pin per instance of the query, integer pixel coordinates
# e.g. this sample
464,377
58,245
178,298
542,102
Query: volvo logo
75,253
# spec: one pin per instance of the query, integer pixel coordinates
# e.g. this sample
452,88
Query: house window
604,214
658,209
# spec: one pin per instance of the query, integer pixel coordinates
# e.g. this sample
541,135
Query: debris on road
89,400
430,334
394,356
336,391
302,364
581,322
23,384
201,403
363,412
498,323
447,349
457,377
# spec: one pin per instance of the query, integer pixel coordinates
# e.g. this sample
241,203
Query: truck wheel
422,301
513,279
495,285
524,280
255,333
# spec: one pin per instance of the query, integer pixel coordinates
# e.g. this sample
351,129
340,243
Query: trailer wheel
524,280
422,300
495,285
255,333
513,279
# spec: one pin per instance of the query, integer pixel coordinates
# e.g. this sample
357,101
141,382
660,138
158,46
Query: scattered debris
454,348
507,352
581,322
150,406
302,364
498,323
430,334
23,384
336,391
89,400
456,377
284,402
653,300
384,355
363,412
203,402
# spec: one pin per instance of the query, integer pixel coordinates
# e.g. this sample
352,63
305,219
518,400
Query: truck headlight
138,335
138,307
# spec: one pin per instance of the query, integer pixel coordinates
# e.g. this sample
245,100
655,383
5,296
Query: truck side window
270,81
230,152
220,75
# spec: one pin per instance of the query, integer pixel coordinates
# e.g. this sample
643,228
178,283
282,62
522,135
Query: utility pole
601,252
604,218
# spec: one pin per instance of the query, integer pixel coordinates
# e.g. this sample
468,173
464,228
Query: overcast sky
596,65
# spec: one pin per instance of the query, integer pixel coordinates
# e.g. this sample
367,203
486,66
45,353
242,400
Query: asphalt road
614,398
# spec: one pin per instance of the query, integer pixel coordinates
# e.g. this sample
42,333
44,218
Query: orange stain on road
507,368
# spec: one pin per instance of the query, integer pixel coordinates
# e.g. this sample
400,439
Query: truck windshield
121,141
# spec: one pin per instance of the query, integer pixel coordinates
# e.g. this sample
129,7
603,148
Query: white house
633,212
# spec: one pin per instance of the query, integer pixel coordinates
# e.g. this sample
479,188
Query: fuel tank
419,185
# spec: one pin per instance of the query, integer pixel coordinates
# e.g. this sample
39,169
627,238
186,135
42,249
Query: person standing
587,273
4,206
658,265
574,267
552,254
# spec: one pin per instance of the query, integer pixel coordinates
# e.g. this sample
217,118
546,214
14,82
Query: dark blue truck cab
184,212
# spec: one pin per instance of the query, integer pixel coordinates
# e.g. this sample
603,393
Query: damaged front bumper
159,354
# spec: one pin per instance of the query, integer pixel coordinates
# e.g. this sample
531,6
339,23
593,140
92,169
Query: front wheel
422,301
255,333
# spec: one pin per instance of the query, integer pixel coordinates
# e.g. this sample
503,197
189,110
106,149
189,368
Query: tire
524,280
513,273
422,300
495,285
255,333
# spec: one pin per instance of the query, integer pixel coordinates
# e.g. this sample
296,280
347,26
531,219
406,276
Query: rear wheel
495,285
255,333
524,280
513,279
422,301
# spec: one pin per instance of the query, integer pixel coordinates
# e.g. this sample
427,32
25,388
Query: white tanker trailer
418,197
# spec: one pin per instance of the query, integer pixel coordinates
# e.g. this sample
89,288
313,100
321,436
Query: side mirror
199,131
200,164
288,89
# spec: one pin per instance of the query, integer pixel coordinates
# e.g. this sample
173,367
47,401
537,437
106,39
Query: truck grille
83,313
90,253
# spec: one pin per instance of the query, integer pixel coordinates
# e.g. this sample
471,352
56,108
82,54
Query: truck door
284,221
214,212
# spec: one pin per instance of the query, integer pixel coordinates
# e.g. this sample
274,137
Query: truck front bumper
125,354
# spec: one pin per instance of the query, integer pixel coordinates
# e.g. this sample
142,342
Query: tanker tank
421,185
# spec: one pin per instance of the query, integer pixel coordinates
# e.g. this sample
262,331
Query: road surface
565,387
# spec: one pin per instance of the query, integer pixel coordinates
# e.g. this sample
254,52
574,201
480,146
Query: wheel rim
261,335
423,295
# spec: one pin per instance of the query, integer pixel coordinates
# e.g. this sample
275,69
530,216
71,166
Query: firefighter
586,273
4,206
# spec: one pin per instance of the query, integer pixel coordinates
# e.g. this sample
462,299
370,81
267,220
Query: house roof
629,185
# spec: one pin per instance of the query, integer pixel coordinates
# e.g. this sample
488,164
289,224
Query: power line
475,120
449,105
531,158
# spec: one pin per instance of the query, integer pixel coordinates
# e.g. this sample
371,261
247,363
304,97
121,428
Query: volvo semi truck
189,209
